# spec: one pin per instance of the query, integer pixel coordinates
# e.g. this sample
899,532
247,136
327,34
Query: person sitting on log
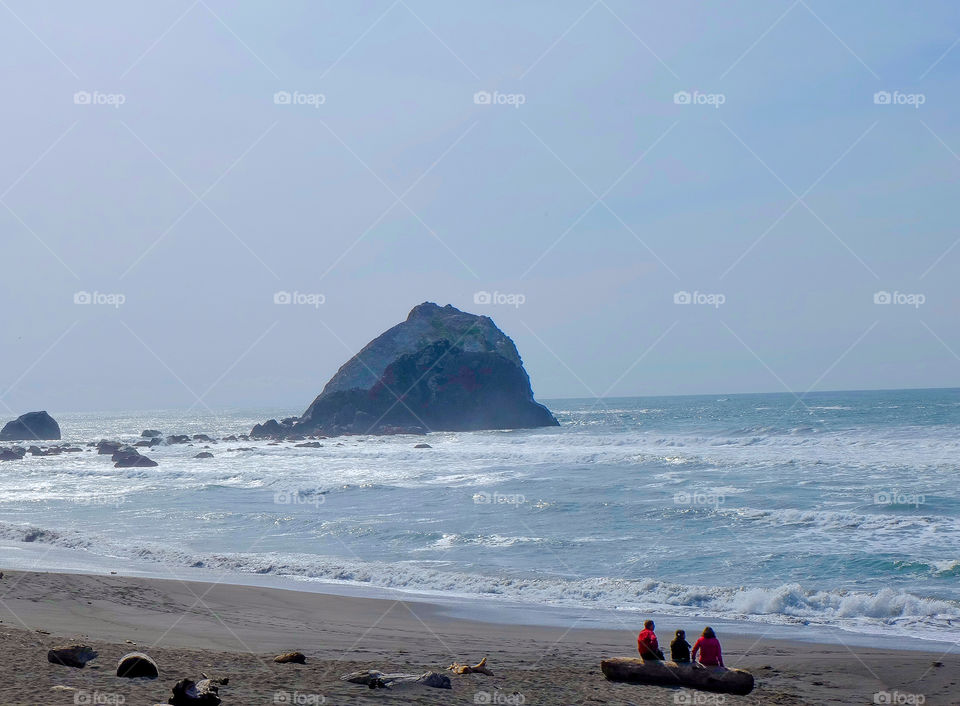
647,644
680,648
709,648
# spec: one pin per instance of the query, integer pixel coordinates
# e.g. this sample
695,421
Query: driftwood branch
479,668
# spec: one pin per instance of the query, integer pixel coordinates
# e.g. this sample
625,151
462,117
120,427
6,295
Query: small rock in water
204,454
423,446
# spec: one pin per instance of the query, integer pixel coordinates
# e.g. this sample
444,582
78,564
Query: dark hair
681,634
648,624
708,632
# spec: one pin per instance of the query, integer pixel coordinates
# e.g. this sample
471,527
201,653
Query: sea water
834,510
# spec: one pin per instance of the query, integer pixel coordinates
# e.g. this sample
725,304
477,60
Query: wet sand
234,631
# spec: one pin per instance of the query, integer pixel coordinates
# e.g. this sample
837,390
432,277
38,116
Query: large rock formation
32,426
440,370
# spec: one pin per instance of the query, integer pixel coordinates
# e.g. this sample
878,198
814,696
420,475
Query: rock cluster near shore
441,369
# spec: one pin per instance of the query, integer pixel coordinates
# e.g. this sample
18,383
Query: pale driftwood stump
692,676
135,665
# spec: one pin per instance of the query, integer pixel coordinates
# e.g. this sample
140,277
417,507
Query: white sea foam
881,612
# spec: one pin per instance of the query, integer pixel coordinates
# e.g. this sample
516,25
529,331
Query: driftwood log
71,655
205,692
692,676
136,664
479,668
378,680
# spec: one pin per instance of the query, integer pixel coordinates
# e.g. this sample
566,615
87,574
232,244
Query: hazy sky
146,156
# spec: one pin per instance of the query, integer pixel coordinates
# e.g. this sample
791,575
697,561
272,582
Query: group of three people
708,647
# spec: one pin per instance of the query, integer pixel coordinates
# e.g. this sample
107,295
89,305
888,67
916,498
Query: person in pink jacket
708,646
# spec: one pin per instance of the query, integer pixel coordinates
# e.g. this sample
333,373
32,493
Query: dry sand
234,631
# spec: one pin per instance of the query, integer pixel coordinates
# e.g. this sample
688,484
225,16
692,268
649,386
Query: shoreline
234,631
479,608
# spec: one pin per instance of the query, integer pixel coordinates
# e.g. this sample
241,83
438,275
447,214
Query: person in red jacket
647,644
709,648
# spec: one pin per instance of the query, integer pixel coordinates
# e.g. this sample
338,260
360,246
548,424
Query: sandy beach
235,631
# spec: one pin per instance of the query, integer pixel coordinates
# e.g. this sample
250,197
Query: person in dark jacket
647,644
680,648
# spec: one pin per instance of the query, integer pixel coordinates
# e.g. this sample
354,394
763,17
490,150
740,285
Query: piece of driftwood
479,668
71,655
378,680
692,676
205,692
134,665
291,658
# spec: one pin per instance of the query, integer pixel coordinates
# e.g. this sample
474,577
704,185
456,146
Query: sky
217,204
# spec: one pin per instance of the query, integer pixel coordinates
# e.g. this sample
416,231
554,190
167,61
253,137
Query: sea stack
440,370
32,426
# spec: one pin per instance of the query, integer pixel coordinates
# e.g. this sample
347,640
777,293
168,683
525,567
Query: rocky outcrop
129,457
33,426
75,656
440,370
14,454
291,658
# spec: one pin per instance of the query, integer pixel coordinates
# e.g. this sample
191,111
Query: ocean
839,511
